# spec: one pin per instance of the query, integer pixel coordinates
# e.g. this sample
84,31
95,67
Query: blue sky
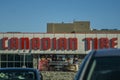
33,15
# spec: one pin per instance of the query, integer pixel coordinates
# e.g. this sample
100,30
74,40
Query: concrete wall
77,26
81,42
56,75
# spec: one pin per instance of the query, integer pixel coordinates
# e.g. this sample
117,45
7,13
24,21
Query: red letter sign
25,43
54,42
88,43
95,43
104,43
46,43
35,43
113,42
62,43
3,43
73,43
14,43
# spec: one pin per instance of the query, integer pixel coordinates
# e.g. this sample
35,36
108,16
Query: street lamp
24,57
24,66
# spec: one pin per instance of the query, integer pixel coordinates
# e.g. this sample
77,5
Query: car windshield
104,68
16,75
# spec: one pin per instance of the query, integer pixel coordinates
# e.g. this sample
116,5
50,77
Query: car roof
107,52
15,69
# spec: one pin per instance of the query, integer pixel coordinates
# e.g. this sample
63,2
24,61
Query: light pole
24,57
24,66
24,54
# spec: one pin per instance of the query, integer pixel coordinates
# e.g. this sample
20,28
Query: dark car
100,65
19,74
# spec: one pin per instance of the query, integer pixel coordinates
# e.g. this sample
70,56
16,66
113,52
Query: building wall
77,26
82,26
81,43
102,38
58,75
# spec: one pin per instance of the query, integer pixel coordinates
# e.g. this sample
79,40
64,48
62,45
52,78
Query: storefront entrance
16,60
59,62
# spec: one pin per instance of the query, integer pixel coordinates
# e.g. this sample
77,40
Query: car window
105,68
77,76
17,75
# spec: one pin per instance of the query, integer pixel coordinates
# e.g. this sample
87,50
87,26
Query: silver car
100,65
19,74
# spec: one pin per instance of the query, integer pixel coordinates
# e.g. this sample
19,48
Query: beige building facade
63,43
75,27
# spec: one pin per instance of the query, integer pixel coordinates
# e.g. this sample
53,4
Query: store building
56,49
75,27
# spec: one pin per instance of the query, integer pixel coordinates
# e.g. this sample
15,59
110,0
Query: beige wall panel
20,36
38,51
50,51
81,44
9,35
91,42
1,36
30,36
101,36
110,36
67,36
118,40
57,37
80,38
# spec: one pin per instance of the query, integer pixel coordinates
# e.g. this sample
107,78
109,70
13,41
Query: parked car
19,74
100,65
